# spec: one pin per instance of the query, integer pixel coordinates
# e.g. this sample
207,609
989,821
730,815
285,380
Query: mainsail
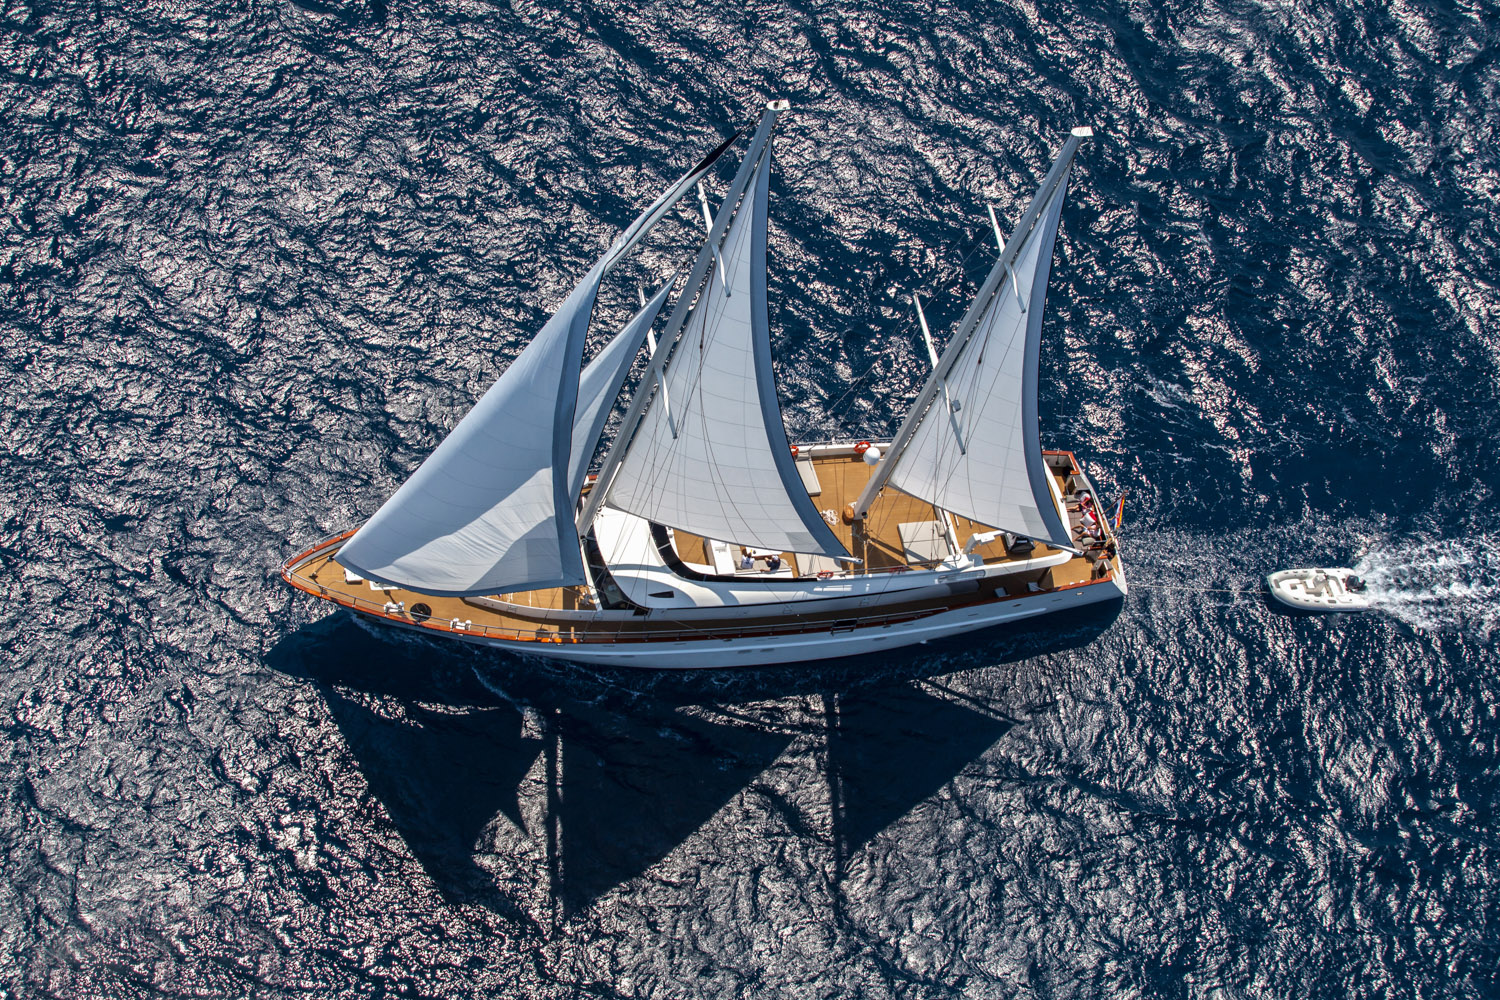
973,449
710,455
491,510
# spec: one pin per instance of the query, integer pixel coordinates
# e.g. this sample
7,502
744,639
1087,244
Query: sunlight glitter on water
1446,584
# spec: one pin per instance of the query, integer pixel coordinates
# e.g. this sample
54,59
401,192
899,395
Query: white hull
683,621
1317,590
698,654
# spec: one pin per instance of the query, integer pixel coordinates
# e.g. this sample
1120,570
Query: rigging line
979,244
1134,585
833,408
938,290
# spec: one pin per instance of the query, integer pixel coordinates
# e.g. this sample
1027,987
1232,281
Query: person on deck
1102,560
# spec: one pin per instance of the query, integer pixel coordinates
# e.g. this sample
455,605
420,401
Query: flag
1120,512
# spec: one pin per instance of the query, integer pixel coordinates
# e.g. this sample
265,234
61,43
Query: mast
938,378
668,200
600,383
706,255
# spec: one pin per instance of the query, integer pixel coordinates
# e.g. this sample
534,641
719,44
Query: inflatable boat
1319,589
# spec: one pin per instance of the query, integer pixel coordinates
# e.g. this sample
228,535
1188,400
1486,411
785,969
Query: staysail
969,443
710,455
600,384
491,510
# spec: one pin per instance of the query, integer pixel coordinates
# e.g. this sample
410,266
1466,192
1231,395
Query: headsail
491,510
974,449
716,461
600,383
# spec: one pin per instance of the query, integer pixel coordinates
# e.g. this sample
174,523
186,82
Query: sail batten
491,509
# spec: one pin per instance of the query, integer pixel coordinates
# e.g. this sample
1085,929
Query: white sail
491,510
600,383
974,451
714,459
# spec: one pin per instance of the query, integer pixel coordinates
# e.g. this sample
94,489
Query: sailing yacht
706,538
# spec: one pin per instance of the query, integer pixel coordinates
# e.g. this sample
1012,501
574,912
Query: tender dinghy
1319,589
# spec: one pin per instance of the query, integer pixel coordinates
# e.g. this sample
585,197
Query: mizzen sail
969,443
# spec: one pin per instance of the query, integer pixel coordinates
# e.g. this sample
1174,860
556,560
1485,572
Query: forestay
715,461
975,450
491,510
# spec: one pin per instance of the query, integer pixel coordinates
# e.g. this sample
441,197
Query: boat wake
1453,584
1439,585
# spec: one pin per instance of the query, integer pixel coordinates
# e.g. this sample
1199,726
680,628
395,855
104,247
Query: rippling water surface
255,262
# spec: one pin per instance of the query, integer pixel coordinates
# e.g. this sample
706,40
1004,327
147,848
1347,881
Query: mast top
1084,132
778,105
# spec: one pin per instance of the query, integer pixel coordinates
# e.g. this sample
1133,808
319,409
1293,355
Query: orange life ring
794,451
861,447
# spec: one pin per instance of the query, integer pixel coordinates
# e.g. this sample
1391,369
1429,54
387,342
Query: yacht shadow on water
593,777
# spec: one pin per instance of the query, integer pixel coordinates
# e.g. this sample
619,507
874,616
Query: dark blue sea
256,260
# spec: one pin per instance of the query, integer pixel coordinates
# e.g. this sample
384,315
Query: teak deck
876,540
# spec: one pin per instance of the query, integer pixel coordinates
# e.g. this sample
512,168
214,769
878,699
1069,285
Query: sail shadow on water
634,785
889,751
621,781
444,780
595,777
442,755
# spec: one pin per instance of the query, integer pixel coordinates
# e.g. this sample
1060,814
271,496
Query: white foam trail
1452,584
